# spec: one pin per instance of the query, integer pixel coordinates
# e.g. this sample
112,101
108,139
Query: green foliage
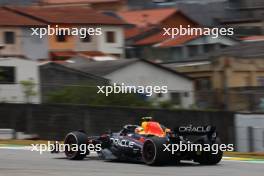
166,105
89,96
28,89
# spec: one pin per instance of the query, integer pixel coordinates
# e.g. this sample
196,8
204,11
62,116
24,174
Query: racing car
130,146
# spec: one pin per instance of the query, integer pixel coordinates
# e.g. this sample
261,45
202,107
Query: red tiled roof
62,53
180,40
165,40
67,15
77,1
129,33
75,53
92,53
147,17
153,39
8,18
253,38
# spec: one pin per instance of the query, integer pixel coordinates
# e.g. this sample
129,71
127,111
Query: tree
88,95
28,87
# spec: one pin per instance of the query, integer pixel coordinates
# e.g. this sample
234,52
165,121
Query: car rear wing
195,130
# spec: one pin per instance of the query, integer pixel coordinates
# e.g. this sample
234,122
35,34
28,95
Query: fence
245,131
54,121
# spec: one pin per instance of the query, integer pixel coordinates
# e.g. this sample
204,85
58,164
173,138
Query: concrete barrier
7,134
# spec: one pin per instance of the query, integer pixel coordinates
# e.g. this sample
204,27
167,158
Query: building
109,41
231,78
165,17
106,5
17,75
138,72
160,48
16,38
145,39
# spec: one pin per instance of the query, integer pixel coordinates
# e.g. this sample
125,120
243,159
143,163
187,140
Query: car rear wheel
72,142
209,158
152,152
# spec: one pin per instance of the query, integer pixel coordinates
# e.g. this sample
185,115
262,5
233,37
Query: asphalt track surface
27,163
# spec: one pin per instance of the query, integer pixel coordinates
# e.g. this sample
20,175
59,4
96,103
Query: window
177,53
203,83
87,39
159,95
193,50
61,38
110,37
186,94
176,98
9,37
223,46
7,75
260,81
209,48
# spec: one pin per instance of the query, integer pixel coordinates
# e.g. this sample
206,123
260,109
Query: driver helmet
139,130
144,121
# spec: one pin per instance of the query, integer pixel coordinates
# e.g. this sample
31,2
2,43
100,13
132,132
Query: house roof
78,1
135,31
179,40
253,38
153,39
99,68
165,40
75,53
204,13
147,17
58,15
12,19
102,68
61,66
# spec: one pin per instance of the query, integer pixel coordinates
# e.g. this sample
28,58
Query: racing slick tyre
208,158
72,143
152,151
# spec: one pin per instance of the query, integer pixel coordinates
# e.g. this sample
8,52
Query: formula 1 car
129,146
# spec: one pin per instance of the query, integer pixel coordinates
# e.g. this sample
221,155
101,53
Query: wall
239,73
24,70
87,46
143,74
55,121
32,46
112,48
98,42
11,49
250,132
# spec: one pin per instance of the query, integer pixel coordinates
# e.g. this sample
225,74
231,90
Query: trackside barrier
7,134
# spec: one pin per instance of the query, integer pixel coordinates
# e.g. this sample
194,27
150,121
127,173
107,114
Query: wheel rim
149,151
70,141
